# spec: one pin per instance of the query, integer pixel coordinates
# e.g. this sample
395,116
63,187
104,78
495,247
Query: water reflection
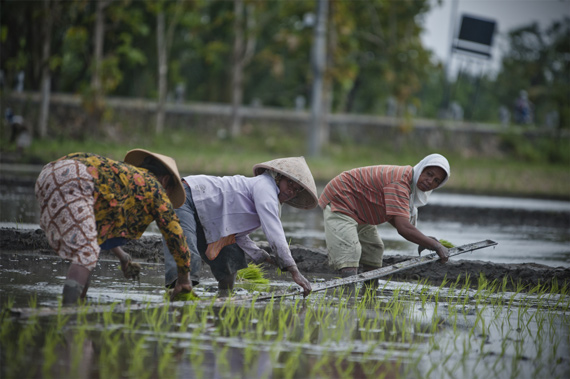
393,334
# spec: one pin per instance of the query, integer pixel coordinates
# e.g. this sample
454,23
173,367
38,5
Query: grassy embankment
513,175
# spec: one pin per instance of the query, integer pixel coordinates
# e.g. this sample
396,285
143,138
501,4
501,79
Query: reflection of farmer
221,212
89,202
356,201
523,109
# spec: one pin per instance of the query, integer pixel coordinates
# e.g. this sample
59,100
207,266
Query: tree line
262,52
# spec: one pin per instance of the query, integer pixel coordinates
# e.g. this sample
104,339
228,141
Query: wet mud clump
133,270
314,262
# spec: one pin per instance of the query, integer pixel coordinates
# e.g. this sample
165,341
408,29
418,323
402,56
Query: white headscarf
420,198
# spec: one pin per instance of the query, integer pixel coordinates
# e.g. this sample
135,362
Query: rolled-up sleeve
256,254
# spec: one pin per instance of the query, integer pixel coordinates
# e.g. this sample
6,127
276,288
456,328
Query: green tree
537,62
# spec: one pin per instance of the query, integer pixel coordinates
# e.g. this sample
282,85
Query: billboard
475,36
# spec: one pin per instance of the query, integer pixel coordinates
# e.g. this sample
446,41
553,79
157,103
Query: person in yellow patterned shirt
89,202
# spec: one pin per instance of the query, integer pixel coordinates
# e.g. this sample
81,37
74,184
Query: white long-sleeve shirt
239,205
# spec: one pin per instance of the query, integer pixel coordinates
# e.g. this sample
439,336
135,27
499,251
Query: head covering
297,170
136,158
420,198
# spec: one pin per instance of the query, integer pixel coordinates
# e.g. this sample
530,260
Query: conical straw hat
296,169
136,158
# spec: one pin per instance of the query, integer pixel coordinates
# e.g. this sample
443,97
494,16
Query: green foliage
536,62
519,146
374,54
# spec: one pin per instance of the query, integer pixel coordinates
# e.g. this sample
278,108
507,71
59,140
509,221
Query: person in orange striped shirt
358,200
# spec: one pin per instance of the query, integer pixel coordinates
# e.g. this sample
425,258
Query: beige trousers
350,244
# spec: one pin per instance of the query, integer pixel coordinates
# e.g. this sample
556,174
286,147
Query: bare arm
412,234
124,258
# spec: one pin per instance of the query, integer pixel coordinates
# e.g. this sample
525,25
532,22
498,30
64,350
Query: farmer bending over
221,212
89,202
356,201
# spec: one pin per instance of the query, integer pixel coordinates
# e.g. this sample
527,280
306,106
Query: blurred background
221,85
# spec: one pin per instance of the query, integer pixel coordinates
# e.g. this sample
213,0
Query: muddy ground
314,262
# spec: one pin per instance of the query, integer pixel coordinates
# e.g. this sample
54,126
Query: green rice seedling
108,315
307,326
446,243
6,323
222,360
128,320
318,368
226,319
240,311
253,275
268,312
49,356
138,367
33,301
248,355
196,357
291,365
504,284
82,313
165,368
61,319
27,335
344,365
111,345
157,318
79,339
554,286
443,282
181,296
185,320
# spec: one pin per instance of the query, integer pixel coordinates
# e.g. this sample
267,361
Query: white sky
508,14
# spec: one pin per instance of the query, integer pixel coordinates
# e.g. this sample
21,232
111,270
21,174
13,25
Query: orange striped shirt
370,195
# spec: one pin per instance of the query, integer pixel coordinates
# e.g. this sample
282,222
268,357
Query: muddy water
403,331
407,330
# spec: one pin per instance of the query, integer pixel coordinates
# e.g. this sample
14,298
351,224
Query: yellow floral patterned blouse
127,200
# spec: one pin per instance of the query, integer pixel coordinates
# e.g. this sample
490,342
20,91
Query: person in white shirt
220,212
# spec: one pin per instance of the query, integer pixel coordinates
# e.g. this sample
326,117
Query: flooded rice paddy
402,330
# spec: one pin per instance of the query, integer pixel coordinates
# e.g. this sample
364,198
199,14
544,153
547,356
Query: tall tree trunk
241,57
96,105
318,64
237,69
98,35
164,39
49,8
162,72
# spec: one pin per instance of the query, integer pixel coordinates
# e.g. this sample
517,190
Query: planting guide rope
23,313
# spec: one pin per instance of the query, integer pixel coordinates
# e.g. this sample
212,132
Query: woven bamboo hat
296,169
177,195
